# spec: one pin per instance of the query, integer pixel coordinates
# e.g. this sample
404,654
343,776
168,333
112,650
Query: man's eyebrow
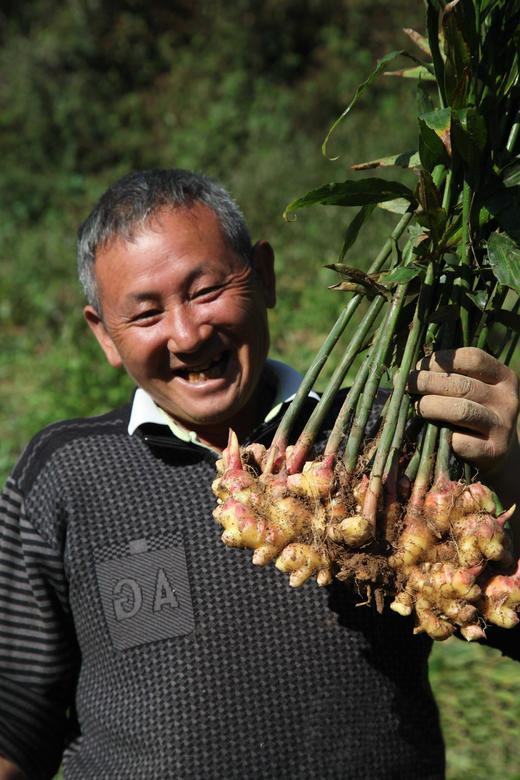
142,296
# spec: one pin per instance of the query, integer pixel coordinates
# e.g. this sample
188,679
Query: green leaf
352,193
479,298
420,40
358,278
433,10
397,206
504,258
354,227
432,216
459,27
511,174
417,72
468,138
401,275
435,138
379,69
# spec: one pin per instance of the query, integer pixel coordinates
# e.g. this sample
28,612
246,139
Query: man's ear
263,264
97,327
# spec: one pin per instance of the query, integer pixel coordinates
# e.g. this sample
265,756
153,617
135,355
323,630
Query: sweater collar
145,410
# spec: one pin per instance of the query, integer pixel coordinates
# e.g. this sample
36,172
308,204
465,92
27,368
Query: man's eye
208,291
149,314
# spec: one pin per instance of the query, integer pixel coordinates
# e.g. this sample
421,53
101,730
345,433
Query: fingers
426,382
468,361
459,412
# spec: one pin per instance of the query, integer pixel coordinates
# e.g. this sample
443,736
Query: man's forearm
9,771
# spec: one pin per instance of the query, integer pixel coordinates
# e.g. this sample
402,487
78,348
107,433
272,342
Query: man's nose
186,332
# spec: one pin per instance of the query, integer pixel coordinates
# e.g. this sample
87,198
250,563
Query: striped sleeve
36,650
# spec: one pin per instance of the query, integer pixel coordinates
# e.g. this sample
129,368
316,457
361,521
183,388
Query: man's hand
476,396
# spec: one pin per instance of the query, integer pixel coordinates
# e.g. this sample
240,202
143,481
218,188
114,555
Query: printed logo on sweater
146,595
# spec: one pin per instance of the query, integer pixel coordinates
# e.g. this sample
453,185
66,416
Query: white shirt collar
145,410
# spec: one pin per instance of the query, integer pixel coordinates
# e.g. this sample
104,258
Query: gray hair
126,207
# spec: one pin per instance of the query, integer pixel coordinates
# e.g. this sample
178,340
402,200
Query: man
135,644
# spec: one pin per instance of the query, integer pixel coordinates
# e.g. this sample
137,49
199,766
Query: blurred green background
244,92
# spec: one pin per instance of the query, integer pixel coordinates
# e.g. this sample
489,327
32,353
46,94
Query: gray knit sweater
134,644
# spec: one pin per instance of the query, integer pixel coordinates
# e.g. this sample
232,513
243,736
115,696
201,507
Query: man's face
187,318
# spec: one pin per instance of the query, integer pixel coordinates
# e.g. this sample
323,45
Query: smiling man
134,643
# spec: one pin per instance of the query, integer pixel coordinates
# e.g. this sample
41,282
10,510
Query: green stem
349,404
413,344
306,439
462,281
495,301
281,437
413,465
424,472
377,367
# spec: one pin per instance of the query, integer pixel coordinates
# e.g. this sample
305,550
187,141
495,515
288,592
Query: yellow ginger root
482,537
353,531
301,561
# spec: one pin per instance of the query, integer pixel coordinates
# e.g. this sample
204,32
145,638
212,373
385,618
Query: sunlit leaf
352,193
405,160
401,275
420,40
435,137
418,72
397,206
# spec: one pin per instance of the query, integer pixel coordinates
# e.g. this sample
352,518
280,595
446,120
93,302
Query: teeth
210,370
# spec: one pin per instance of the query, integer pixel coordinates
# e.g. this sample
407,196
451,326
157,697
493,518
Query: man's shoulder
57,435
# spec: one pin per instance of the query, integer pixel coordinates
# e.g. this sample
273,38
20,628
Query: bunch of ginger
438,554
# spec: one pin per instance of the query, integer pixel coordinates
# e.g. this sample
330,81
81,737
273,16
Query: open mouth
213,369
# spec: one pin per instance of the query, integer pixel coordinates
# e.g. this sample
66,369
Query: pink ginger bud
438,504
475,497
317,479
359,491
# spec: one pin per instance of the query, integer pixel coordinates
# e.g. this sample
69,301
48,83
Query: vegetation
245,93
